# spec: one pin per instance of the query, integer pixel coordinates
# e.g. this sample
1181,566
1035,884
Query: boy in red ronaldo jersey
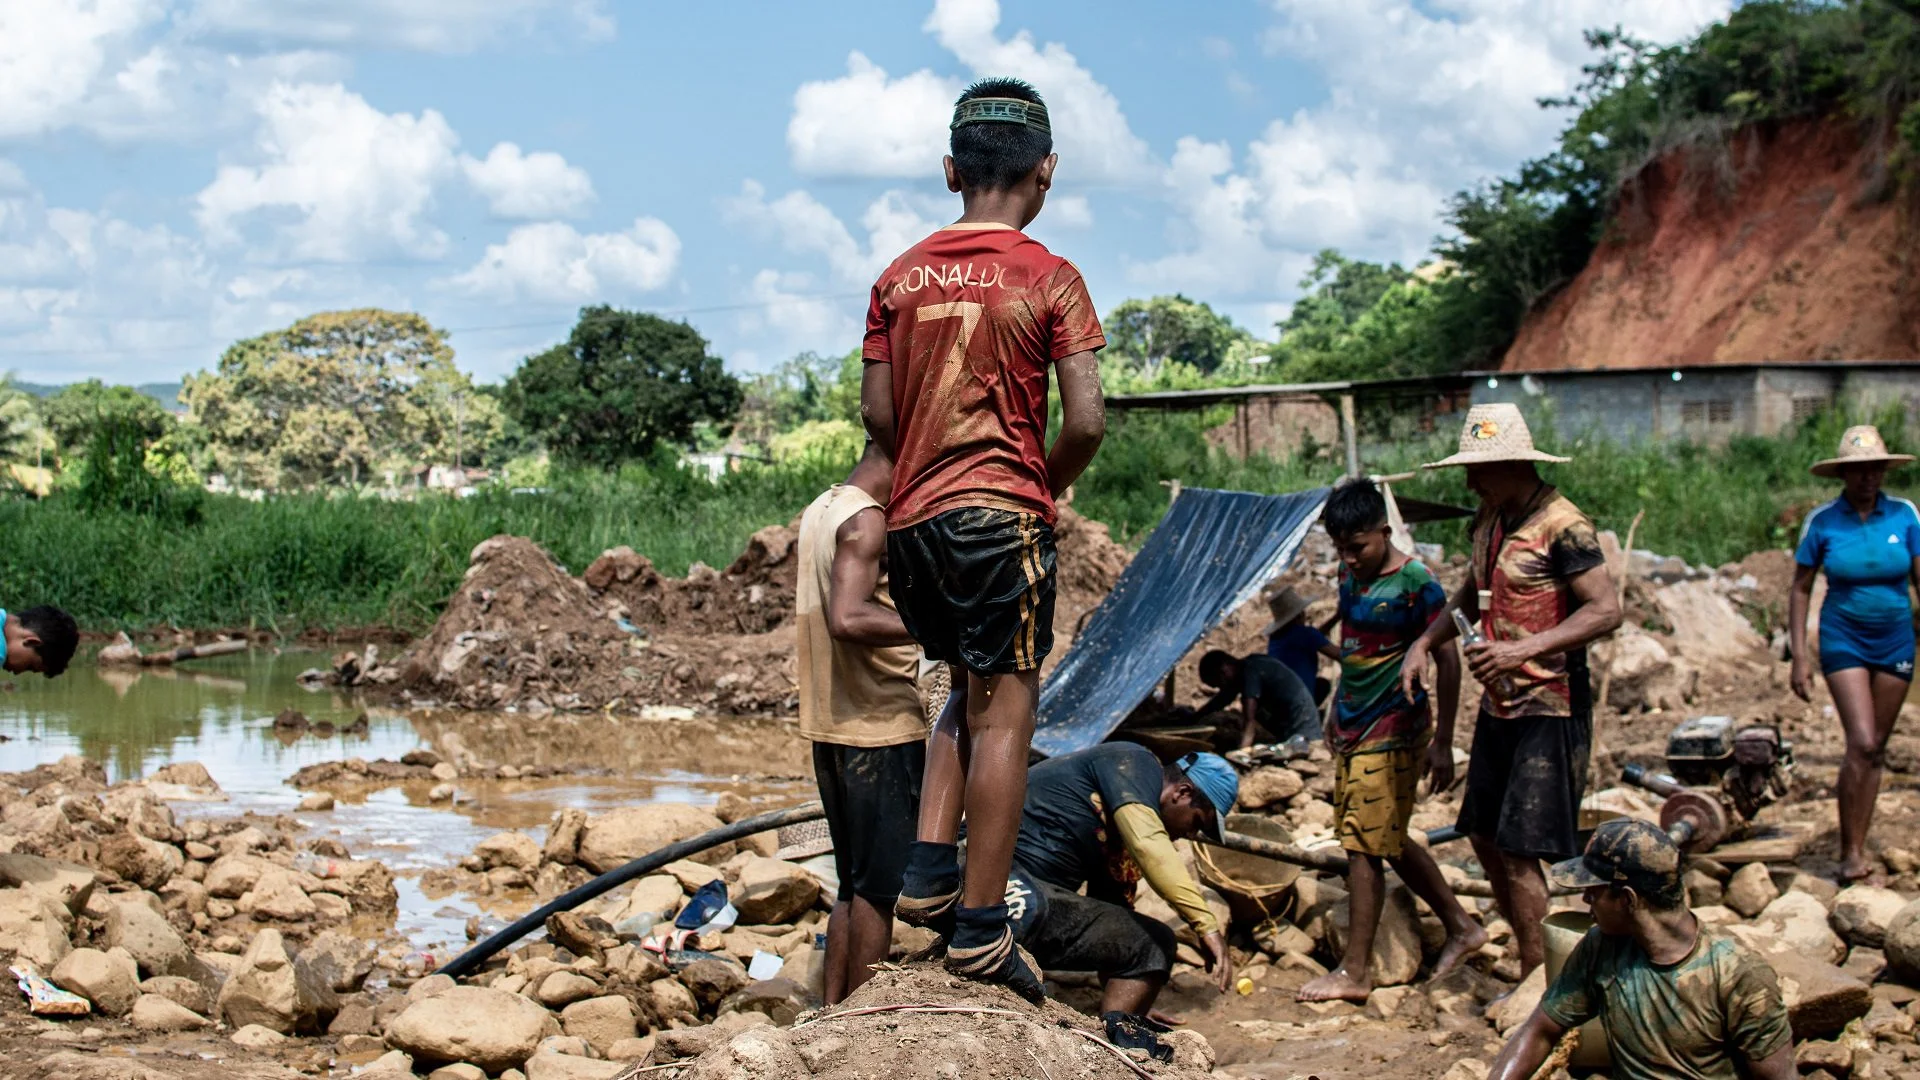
960,333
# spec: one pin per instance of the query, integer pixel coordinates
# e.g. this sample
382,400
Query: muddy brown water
220,712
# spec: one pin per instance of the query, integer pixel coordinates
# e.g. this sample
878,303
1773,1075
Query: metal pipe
1658,783
468,961
1331,863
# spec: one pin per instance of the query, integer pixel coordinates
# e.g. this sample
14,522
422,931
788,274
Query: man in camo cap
1678,999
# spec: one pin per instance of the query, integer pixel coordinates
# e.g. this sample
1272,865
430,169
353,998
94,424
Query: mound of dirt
919,1021
751,596
521,632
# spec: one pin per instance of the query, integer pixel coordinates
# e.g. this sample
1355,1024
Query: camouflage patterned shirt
1701,1018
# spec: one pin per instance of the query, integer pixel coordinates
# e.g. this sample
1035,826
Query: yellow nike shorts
1373,797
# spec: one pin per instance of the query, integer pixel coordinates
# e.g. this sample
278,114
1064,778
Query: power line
451,330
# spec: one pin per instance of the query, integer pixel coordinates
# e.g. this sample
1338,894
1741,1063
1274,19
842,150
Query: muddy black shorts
975,587
1066,931
1526,778
872,797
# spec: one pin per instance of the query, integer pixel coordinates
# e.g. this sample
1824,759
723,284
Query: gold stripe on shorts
1023,642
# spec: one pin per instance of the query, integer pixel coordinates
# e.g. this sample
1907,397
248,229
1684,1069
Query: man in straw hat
860,705
1868,543
1679,1000
1538,591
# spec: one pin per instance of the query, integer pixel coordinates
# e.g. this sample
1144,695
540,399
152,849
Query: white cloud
529,186
426,25
55,53
1423,100
805,226
1068,212
865,124
353,180
789,311
551,261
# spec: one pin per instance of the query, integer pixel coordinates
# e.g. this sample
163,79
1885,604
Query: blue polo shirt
1867,563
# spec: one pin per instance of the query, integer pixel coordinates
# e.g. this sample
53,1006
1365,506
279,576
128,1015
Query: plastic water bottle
1470,635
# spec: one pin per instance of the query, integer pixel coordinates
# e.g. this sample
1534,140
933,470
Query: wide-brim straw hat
1495,433
1861,445
1284,606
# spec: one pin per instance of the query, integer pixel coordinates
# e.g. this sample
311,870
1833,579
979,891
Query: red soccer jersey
970,318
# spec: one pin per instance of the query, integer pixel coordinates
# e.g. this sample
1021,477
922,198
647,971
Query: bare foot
1854,869
1336,985
1458,947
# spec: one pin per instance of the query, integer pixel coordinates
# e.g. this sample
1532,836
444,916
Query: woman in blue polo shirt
1868,543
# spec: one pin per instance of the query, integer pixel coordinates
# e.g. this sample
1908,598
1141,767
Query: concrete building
1706,404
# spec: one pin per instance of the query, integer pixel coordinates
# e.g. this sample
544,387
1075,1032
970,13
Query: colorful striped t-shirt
1378,621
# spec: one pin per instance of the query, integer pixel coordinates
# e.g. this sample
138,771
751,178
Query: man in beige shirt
860,705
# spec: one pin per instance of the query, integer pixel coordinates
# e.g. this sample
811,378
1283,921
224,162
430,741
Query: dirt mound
1772,247
753,595
919,1021
521,632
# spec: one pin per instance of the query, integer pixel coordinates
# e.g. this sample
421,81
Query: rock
1643,673
779,1000
1887,1023
1861,914
564,988
242,841
563,1044
1821,999
341,961
392,1065
658,895
430,986
602,1021
277,897
759,1054
1396,944
1268,785
355,1018
563,837
460,1071
112,983
514,849
1517,1006
33,927
620,836
317,802
545,1066
1750,890
710,981
691,875
1704,890
1467,1069
1902,944
807,966
441,793
633,1051
270,989
151,1012
490,1028
233,876
1834,1056
132,857
1865,964
1817,887
67,884
255,1037
672,998
444,772
580,934
1797,921
774,891
188,774
185,993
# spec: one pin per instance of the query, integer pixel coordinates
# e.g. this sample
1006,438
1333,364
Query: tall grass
307,561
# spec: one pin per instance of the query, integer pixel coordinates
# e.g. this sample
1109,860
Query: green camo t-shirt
1697,1019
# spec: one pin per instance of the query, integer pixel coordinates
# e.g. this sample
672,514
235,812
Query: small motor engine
1722,775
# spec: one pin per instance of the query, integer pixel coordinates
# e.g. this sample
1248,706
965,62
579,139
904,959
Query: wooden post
1353,444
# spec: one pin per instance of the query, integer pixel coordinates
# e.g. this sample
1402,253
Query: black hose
468,961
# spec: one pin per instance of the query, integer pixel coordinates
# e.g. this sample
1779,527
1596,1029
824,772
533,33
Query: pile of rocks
359,775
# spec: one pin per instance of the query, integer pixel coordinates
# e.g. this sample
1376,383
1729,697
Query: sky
179,174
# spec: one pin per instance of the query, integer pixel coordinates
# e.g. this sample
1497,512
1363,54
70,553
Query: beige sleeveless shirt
850,695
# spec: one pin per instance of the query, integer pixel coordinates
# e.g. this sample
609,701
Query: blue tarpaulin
1211,553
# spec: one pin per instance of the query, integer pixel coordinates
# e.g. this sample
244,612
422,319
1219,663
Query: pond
220,713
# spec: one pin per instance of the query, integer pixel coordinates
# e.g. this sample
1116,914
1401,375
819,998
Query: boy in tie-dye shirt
1382,741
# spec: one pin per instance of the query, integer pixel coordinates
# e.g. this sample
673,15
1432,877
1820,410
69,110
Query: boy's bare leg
943,787
1464,935
1000,719
839,948
1366,888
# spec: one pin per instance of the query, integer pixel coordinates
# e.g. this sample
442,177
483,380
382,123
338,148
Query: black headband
995,110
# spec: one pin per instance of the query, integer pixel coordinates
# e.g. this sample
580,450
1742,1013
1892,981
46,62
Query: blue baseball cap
1215,779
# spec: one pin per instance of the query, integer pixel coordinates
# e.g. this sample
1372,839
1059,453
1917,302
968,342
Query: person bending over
962,332
41,639
1275,706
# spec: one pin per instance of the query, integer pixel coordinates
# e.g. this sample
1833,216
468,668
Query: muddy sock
982,948
1130,1032
930,888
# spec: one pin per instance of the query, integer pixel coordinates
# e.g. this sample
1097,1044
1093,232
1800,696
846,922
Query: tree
73,412
809,388
624,382
333,398
1148,333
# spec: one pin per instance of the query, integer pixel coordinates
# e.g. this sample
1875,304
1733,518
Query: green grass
312,561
